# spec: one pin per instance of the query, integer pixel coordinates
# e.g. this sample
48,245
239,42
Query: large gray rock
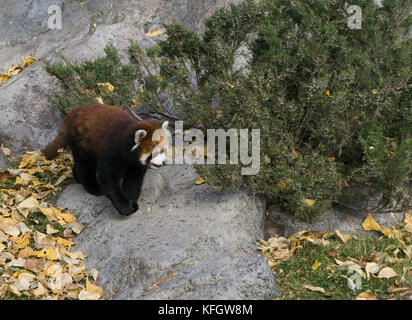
28,117
185,242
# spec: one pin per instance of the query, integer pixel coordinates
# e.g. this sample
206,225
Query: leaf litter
37,259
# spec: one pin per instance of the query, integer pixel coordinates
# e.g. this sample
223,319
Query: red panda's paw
135,207
128,209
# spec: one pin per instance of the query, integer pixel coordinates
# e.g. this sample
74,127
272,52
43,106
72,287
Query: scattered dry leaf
314,289
308,202
28,61
387,273
6,151
369,224
105,88
371,268
154,33
199,180
84,295
395,288
315,265
35,265
365,296
342,236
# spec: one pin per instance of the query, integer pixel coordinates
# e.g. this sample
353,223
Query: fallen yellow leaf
154,33
10,230
35,265
408,218
23,240
4,77
27,252
369,224
40,290
315,289
65,242
12,71
92,289
365,296
17,273
308,202
28,61
371,268
50,229
6,151
344,237
316,265
29,203
66,216
29,159
327,92
50,253
105,88
84,295
387,273
199,180
49,213
390,233
395,288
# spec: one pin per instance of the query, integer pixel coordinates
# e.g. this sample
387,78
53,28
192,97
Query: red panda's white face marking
159,155
155,153
160,151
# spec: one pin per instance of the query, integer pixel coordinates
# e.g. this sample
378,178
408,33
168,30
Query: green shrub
80,82
332,103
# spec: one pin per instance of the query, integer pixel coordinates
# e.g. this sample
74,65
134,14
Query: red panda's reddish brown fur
111,151
92,126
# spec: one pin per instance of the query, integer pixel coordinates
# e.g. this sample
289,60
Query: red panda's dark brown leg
85,174
109,182
132,182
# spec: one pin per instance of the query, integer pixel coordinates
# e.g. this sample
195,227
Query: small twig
149,115
133,113
167,115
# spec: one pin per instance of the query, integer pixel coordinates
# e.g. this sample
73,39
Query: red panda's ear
138,137
165,125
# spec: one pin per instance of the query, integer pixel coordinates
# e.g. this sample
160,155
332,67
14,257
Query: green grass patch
38,221
295,273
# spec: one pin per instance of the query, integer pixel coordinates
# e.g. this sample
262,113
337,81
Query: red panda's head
152,142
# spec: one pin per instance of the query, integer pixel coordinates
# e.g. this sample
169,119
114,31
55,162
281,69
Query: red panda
111,151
